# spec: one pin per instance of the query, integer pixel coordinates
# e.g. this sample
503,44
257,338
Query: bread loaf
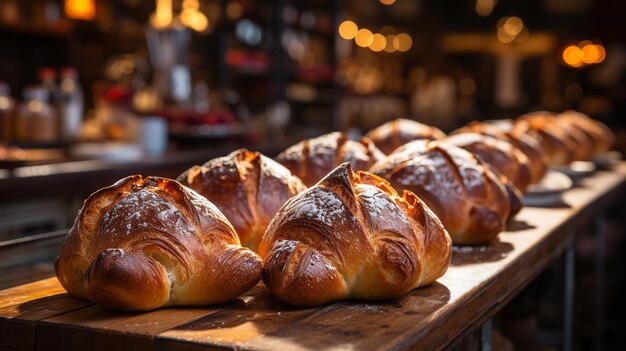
311,159
462,191
601,137
562,145
352,237
505,130
247,187
505,158
393,134
144,243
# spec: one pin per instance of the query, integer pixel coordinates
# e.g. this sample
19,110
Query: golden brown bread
562,143
247,187
462,191
352,237
311,159
602,138
393,134
505,158
504,130
144,243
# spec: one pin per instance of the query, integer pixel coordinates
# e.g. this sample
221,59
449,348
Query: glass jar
36,121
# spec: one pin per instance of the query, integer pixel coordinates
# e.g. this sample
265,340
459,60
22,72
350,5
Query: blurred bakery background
94,90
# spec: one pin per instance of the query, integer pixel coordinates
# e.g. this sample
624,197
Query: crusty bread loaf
247,187
144,243
505,158
462,191
393,134
602,138
505,130
562,144
311,159
352,237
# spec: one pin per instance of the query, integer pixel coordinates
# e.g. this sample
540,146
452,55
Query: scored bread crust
504,130
393,134
505,158
144,243
247,187
352,237
469,199
601,136
312,159
562,144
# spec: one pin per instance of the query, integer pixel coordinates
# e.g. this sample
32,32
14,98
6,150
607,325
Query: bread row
377,233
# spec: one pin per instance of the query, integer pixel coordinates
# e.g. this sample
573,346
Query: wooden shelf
479,282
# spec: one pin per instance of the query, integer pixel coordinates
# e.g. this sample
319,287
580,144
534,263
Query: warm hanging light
585,53
573,56
348,29
402,42
162,16
389,39
364,38
80,9
485,7
378,42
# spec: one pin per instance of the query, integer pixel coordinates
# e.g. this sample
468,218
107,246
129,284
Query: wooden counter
480,281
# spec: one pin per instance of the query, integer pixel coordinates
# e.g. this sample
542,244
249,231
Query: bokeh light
364,37
585,53
389,43
348,30
378,42
402,42
573,56
513,26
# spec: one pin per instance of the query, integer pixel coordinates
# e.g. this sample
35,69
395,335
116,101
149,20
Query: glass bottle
70,105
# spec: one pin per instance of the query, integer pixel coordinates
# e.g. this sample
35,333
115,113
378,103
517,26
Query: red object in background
318,73
189,117
117,94
247,61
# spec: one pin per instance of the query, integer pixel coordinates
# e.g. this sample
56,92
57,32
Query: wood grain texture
480,281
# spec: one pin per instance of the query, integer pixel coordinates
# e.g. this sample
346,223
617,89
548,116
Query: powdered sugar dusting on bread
321,205
322,150
285,246
271,168
223,167
143,209
355,151
429,171
292,153
204,207
377,204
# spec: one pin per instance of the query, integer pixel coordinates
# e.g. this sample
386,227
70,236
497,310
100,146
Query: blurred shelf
60,29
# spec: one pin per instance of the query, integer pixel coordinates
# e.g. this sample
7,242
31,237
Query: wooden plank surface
480,281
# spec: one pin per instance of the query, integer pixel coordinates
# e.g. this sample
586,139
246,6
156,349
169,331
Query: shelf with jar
308,47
